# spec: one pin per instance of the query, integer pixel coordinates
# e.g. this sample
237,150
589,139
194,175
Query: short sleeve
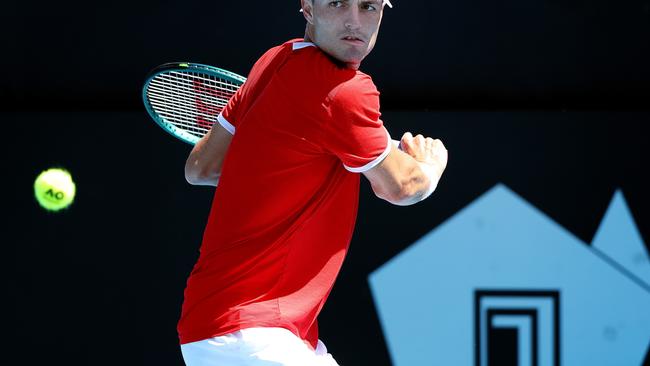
259,76
354,131
228,117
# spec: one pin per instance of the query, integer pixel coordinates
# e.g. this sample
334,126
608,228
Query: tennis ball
54,189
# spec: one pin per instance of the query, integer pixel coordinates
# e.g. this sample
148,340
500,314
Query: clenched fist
425,150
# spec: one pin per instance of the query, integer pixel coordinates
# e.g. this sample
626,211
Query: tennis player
287,155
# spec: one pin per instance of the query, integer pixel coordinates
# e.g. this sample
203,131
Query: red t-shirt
284,211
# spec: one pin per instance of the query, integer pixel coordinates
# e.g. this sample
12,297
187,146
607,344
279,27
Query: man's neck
354,66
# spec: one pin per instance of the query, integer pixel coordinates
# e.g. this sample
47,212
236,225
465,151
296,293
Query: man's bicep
220,137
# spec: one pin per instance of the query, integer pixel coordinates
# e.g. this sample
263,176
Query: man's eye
336,4
369,6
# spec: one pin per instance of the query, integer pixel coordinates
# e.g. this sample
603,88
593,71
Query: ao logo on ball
54,196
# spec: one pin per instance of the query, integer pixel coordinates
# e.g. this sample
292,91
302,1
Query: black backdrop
548,97
431,54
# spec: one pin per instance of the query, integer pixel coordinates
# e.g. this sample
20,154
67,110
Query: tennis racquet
186,98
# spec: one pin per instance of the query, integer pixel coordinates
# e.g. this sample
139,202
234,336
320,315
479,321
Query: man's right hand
425,150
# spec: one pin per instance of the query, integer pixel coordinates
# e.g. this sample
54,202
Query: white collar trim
301,45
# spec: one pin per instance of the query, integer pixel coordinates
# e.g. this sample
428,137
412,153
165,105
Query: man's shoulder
319,67
355,87
304,66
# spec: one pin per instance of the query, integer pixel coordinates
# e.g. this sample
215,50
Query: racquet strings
191,101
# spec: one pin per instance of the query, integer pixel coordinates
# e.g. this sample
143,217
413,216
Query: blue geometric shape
424,295
619,239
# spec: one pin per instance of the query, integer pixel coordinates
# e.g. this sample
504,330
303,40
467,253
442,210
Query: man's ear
308,10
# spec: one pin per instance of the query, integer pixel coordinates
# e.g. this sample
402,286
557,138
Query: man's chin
350,57
352,60
350,63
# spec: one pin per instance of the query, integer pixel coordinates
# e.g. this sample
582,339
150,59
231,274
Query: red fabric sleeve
355,132
228,117
258,78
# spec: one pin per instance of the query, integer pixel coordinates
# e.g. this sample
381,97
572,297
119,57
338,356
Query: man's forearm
423,184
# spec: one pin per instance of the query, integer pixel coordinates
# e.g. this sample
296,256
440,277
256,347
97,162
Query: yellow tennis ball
54,189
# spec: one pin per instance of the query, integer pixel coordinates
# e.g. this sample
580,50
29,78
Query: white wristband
430,172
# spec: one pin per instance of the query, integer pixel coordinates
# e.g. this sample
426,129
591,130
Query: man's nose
352,20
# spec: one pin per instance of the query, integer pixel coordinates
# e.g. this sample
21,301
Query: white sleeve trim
375,162
225,124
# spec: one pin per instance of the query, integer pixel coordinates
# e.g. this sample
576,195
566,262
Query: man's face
347,30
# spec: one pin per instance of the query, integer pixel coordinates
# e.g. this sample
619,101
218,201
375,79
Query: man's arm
409,175
203,166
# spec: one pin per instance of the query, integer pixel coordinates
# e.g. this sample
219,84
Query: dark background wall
431,54
548,97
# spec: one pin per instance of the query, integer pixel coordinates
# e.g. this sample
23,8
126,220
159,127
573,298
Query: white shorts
256,347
